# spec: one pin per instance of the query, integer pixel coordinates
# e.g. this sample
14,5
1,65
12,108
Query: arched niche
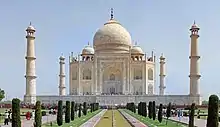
87,74
150,74
137,74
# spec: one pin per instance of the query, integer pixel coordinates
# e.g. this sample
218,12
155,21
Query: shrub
160,113
80,109
43,113
168,113
212,120
154,110
60,113
150,108
144,109
16,119
38,115
191,115
84,108
67,113
72,110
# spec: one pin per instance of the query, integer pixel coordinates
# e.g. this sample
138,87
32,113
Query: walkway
132,120
29,123
94,120
197,122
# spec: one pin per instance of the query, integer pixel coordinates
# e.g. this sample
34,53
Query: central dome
112,37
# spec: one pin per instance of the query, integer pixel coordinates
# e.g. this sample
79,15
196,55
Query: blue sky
65,26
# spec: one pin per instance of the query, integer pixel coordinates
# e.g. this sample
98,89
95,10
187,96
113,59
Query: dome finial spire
30,23
112,13
135,43
88,42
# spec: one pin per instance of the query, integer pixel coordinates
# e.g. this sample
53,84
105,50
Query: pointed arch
150,74
87,74
137,74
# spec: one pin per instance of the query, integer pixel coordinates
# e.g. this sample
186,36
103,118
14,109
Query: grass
120,120
77,122
155,123
106,120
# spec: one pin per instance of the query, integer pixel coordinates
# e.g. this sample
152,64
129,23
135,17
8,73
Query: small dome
136,50
62,57
194,26
112,37
88,50
30,28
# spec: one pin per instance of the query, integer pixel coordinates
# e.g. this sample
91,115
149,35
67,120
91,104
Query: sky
67,26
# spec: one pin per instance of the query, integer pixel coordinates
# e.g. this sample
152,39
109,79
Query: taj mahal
112,70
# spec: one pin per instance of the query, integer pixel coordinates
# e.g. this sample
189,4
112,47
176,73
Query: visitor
32,115
10,115
6,117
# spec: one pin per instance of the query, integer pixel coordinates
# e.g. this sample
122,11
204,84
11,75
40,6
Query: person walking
33,115
6,117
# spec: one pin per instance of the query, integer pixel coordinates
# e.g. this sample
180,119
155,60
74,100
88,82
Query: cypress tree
150,110
154,110
191,115
160,113
80,109
60,113
91,108
84,108
213,118
16,119
67,113
168,113
72,110
139,108
144,109
38,114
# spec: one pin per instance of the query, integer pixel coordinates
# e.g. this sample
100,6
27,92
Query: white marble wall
123,99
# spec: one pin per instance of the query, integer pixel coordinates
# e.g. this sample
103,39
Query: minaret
62,88
194,62
30,95
162,75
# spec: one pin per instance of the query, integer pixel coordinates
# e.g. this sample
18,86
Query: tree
84,108
67,113
150,109
38,115
2,94
60,113
72,110
154,110
213,119
80,109
168,113
160,113
16,119
191,115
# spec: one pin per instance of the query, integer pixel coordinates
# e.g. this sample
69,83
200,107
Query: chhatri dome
112,37
88,50
136,49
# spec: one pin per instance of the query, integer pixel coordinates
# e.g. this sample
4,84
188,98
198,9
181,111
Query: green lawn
153,123
77,122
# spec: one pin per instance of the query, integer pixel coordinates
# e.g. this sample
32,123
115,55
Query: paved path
132,120
29,123
94,120
197,122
